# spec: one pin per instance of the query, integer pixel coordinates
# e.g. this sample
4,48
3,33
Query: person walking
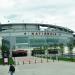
11,69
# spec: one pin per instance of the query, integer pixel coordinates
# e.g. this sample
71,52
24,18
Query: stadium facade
27,36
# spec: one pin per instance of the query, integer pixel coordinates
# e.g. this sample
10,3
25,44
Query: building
27,36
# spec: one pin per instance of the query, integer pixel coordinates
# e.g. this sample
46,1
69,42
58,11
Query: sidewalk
51,68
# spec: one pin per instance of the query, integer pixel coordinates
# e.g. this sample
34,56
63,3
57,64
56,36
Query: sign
5,60
40,33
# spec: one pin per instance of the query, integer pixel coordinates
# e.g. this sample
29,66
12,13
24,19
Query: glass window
21,39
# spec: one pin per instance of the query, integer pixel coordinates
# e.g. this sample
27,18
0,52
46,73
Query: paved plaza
30,60
45,68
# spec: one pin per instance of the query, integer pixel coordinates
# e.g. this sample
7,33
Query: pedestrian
11,69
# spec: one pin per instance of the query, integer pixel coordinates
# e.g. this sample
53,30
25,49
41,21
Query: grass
67,59
60,58
64,59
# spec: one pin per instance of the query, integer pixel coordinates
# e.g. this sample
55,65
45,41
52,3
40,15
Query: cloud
6,4
59,12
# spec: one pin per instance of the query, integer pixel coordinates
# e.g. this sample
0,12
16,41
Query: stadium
32,36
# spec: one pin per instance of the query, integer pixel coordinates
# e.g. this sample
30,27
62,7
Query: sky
56,12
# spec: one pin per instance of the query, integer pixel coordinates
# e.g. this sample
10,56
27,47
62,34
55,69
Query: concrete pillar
29,53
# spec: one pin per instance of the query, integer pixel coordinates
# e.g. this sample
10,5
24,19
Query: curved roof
44,25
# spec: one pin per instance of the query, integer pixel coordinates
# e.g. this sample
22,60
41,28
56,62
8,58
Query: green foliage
1,61
4,48
11,61
61,58
70,47
55,46
67,59
74,43
61,48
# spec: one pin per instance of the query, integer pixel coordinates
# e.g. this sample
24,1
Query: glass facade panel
30,35
21,39
37,42
21,46
52,40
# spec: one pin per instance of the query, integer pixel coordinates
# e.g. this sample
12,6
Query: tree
45,49
71,45
61,48
74,43
55,46
5,48
70,48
